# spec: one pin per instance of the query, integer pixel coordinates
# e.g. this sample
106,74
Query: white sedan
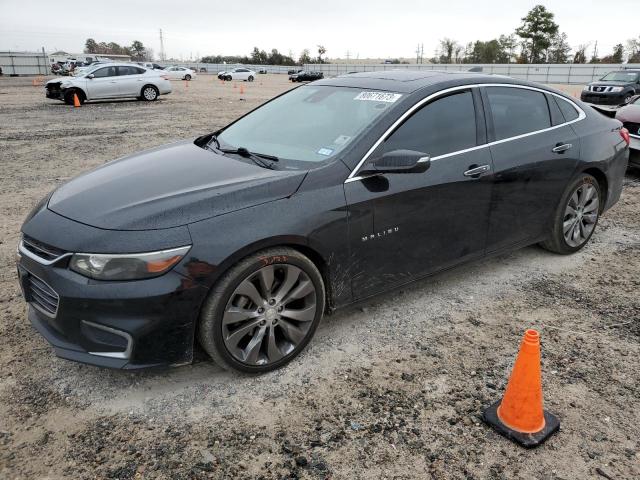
180,73
238,74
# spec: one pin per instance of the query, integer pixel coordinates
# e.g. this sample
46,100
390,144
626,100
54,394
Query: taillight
624,133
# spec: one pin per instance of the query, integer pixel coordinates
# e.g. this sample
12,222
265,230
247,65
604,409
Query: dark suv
615,88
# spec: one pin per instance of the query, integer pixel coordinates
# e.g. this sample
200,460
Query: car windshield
621,77
311,123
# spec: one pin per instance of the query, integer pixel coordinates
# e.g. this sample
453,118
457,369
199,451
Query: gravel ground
390,389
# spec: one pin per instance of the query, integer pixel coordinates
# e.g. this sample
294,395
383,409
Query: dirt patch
391,389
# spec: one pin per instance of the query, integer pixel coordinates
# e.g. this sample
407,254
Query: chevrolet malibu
242,239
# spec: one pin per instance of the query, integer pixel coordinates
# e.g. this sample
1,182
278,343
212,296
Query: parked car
629,115
245,237
107,81
291,72
241,73
203,69
150,65
615,88
180,73
304,76
262,71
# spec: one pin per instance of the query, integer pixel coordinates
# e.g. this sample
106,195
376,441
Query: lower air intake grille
41,295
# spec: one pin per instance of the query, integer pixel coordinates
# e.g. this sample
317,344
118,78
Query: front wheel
187,77
576,217
263,312
250,78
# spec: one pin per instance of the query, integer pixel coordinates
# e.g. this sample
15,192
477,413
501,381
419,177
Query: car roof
408,81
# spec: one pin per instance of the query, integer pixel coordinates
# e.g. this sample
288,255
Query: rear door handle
476,171
561,147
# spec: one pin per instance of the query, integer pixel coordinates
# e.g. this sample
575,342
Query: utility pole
422,53
348,55
595,50
162,57
418,54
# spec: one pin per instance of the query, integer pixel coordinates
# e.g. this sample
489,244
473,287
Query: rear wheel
187,77
149,93
263,312
250,78
576,217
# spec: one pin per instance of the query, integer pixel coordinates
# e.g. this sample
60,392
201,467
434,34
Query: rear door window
516,111
443,126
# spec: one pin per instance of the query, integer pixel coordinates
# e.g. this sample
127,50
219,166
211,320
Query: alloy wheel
269,314
150,93
581,215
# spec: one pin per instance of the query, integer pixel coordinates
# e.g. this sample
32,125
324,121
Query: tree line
261,57
537,40
137,51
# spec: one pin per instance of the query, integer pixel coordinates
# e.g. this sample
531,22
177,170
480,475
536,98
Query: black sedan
304,76
335,191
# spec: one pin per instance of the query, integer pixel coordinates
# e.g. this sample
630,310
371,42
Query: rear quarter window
569,111
516,111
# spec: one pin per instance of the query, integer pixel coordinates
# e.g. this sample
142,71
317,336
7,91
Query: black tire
187,77
68,96
250,78
149,93
557,242
228,78
210,327
627,98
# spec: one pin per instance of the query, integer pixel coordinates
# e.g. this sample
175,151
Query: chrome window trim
23,251
124,355
581,116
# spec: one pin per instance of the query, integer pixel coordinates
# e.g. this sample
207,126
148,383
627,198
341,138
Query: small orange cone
519,416
186,84
235,86
241,90
76,100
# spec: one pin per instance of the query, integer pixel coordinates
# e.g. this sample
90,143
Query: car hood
609,83
629,113
169,186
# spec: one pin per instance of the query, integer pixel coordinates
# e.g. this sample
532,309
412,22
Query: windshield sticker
341,140
378,96
325,151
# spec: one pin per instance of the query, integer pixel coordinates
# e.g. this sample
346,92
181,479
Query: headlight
617,89
585,88
134,266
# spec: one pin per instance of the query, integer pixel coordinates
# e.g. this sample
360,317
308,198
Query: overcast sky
367,28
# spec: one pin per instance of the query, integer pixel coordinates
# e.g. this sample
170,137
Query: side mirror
399,161
90,76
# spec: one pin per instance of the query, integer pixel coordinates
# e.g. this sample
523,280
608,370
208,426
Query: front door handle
475,171
561,147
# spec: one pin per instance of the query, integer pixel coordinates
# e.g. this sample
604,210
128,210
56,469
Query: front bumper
128,325
604,98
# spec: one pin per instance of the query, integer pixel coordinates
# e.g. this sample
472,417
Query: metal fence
24,63
36,63
542,73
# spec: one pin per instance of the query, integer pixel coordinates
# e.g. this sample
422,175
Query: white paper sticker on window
378,96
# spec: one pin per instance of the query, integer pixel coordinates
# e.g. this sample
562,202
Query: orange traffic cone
186,84
235,86
519,416
241,90
76,100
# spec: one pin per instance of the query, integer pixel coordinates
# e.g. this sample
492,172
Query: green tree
537,32
90,46
508,44
580,56
137,50
321,51
447,49
559,49
305,57
617,56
